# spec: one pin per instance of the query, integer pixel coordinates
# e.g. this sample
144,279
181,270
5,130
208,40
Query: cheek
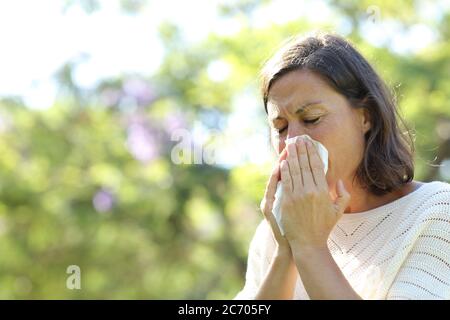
332,139
345,153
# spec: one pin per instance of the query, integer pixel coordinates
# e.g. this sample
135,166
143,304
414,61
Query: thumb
343,197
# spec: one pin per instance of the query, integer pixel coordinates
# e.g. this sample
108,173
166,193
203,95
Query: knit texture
400,250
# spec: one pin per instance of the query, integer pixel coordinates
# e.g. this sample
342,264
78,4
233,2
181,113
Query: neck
361,200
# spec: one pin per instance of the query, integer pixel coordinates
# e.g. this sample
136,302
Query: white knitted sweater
400,250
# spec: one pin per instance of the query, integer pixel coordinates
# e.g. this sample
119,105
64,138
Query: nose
293,130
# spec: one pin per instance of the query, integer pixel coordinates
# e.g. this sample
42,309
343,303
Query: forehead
297,88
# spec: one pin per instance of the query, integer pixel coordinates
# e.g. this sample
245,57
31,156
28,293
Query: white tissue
323,153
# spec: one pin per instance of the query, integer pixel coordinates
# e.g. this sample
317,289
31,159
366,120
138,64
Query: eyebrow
301,109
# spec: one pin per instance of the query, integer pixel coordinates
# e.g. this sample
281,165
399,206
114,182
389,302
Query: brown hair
388,156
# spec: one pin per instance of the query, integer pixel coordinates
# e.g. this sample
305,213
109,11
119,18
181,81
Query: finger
286,180
343,197
268,200
270,217
308,181
294,167
271,188
317,167
283,155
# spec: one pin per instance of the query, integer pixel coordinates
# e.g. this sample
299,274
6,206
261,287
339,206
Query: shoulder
436,197
429,194
438,187
432,206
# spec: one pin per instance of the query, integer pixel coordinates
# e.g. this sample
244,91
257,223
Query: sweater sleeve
255,260
425,273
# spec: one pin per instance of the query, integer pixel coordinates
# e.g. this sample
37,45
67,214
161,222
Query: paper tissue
323,153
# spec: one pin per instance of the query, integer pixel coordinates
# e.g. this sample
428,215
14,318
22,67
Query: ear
365,120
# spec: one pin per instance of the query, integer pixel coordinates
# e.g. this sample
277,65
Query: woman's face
301,102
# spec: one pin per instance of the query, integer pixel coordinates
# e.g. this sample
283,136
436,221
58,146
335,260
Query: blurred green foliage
75,191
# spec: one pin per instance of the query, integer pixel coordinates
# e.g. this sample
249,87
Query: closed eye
309,121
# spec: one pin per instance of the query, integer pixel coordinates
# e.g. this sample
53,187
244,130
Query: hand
279,281
308,212
267,206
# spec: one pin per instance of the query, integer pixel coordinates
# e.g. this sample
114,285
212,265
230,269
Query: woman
366,229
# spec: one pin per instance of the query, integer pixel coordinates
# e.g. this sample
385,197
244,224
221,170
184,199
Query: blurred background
133,138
